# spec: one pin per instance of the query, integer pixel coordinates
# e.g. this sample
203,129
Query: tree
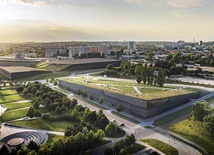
10,83
109,67
139,79
33,146
138,70
55,82
99,134
149,55
101,99
31,112
36,105
201,109
84,94
4,150
109,151
78,92
125,66
91,97
111,129
120,108
118,54
209,123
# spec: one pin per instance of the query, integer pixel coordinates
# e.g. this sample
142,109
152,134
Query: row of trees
143,73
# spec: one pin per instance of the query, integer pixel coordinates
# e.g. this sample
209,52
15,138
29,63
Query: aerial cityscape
116,77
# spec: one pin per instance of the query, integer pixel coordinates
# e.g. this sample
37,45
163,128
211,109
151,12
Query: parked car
122,124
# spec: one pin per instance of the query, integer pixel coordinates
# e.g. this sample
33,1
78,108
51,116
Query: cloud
181,13
134,1
31,2
184,3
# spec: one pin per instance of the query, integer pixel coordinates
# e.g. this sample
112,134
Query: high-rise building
200,43
132,45
181,43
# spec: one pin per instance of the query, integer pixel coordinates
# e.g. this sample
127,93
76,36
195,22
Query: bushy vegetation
122,146
86,130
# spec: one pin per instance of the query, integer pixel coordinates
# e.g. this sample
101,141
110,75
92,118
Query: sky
106,20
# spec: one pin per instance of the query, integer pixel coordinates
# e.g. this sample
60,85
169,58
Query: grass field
126,87
11,98
59,126
136,148
13,114
195,132
210,100
17,105
52,138
51,67
8,92
172,116
161,146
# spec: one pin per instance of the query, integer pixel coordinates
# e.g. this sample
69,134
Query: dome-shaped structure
18,56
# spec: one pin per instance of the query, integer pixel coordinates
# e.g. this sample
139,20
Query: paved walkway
189,142
137,90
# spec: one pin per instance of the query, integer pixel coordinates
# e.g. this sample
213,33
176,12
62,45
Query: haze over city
103,20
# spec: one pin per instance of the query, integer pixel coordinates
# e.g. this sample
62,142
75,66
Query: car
114,120
122,124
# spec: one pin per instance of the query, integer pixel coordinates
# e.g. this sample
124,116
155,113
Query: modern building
132,45
49,53
18,60
200,43
181,43
16,72
135,106
29,55
80,50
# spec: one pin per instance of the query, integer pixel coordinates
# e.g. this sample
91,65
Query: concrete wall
134,106
95,65
17,63
18,75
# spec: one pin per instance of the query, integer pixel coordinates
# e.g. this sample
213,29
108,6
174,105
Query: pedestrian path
137,90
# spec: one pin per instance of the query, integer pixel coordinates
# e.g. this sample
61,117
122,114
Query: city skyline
102,20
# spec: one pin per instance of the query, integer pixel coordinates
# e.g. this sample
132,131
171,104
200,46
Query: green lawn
17,105
59,126
12,115
210,100
161,146
135,148
195,132
11,98
52,138
172,116
126,87
50,67
8,92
